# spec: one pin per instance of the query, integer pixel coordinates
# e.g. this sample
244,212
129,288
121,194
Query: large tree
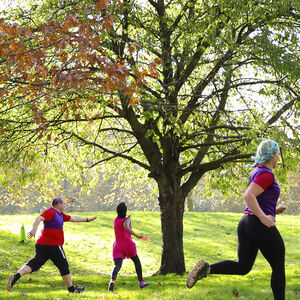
178,88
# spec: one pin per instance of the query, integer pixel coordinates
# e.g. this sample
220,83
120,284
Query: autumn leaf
27,32
108,22
98,116
134,101
101,4
131,49
92,97
96,40
158,61
70,22
4,51
15,46
114,101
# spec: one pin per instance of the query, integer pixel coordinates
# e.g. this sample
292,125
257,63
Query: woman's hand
268,220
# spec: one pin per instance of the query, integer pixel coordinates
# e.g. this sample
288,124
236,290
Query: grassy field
88,246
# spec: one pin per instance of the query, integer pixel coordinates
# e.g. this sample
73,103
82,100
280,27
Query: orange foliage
64,56
101,4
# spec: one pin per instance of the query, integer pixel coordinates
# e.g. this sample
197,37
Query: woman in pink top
124,247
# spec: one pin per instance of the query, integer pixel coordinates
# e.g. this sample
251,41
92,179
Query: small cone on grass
22,237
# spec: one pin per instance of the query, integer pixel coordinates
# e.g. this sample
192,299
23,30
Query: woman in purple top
256,230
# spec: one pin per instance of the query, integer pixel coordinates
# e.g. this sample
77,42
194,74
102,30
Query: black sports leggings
118,265
253,235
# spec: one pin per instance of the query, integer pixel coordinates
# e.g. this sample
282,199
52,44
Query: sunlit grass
88,246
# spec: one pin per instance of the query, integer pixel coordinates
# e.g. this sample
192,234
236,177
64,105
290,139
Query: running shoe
11,282
198,272
78,289
111,285
143,284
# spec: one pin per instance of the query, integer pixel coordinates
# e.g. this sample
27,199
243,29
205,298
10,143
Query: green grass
88,246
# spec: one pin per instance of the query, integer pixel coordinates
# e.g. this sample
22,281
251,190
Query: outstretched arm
35,226
80,219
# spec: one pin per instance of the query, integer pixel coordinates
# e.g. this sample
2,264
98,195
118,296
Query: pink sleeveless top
124,247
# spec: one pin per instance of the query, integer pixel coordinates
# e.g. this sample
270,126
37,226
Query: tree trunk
190,202
172,209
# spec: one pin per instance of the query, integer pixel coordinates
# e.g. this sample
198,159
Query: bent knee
245,269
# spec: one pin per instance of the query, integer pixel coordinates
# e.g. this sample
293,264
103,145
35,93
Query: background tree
177,88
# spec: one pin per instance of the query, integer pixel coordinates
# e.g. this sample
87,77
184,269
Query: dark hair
57,200
122,210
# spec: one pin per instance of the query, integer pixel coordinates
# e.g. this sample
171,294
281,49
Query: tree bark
172,209
190,202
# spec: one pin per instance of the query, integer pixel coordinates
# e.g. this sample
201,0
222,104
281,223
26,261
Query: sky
4,4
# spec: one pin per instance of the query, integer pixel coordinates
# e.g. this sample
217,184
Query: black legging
253,235
118,265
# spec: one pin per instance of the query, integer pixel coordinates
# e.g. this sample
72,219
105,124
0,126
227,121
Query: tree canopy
177,88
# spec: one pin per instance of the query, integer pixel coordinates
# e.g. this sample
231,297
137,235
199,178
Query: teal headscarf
265,151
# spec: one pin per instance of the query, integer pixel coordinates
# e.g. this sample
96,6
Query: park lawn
88,246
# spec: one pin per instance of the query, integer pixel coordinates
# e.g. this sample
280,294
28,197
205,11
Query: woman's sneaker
143,284
199,271
78,289
11,281
111,285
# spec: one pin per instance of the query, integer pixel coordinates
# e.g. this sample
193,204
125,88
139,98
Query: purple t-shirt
267,200
52,234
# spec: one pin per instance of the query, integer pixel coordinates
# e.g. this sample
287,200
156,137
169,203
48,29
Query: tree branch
105,150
